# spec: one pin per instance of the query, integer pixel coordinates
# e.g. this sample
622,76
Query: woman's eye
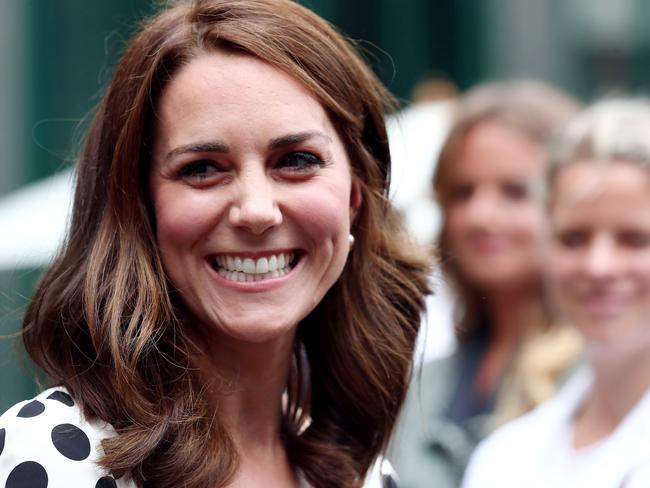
634,239
573,238
199,170
460,192
515,191
300,162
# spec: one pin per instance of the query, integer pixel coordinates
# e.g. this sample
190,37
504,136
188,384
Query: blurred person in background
596,431
235,303
508,358
433,88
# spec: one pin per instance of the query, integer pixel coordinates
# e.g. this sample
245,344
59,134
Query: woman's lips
488,245
602,305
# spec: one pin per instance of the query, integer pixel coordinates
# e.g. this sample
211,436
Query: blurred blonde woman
489,250
596,432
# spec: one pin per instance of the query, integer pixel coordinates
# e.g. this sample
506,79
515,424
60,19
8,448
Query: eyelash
572,239
580,238
308,162
198,169
513,191
296,163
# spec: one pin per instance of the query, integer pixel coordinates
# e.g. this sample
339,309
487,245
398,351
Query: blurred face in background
600,253
492,223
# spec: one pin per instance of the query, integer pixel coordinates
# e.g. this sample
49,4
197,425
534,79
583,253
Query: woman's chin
254,329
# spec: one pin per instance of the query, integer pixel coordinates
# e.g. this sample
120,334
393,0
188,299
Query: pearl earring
351,240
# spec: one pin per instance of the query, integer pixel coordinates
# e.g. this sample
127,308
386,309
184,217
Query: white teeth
249,265
247,278
246,270
262,266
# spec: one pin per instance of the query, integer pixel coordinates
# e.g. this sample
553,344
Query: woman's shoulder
433,382
491,461
46,441
491,464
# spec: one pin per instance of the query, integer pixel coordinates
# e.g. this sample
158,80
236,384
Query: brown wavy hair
102,321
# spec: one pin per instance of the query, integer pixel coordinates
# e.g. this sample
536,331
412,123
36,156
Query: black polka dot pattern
32,409
106,482
71,441
47,442
62,397
27,475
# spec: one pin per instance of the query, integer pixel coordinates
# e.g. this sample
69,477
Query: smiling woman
235,304
281,190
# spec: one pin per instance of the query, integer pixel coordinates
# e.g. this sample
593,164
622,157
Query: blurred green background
57,55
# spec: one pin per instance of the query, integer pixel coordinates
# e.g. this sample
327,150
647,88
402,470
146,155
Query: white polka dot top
47,443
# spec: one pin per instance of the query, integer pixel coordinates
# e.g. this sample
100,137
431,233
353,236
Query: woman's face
492,225
253,196
600,252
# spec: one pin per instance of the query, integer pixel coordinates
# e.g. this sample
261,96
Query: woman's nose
601,259
482,208
255,208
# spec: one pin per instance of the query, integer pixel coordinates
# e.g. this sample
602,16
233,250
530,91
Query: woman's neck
619,384
510,313
244,382
245,385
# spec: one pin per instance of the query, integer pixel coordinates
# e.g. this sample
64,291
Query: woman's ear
356,198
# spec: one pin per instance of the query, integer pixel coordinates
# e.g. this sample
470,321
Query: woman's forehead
220,93
586,182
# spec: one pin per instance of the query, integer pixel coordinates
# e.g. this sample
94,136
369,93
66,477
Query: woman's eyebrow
198,147
290,139
220,147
